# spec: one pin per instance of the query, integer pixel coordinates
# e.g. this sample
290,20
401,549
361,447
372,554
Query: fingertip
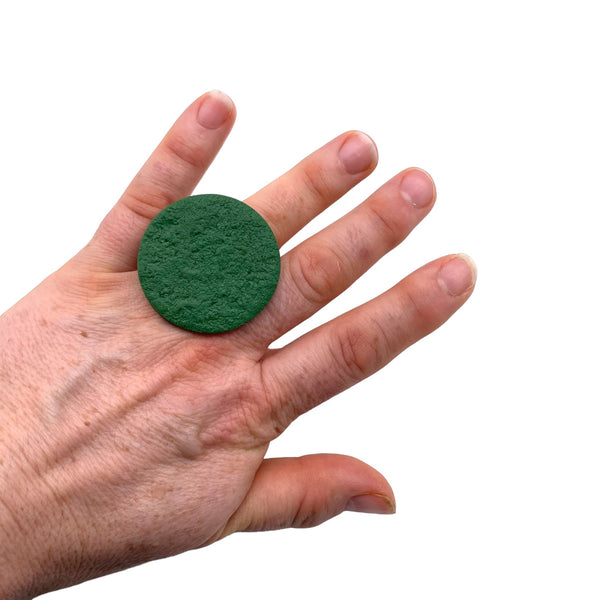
472,265
366,489
372,503
458,275
358,152
215,108
418,188
369,140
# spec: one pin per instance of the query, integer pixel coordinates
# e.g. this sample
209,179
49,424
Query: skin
125,439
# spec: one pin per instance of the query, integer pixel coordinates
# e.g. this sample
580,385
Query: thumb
306,491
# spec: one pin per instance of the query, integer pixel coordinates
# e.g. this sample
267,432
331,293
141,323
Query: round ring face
208,263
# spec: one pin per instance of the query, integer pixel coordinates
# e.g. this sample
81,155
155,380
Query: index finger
172,172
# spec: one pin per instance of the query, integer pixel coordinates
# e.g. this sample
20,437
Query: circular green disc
208,263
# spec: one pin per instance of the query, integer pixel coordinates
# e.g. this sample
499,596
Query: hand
125,439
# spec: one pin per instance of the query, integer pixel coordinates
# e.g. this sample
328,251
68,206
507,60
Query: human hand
125,439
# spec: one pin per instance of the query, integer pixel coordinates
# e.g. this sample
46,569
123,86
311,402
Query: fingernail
458,275
372,503
358,153
214,110
418,188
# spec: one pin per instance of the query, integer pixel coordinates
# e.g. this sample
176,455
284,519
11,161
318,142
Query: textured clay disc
208,263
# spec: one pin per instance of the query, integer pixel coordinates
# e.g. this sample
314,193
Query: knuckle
315,180
200,423
383,222
305,519
316,272
149,190
420,312
191,357
246,422
257,412
238,413
143,201
359,351
191,155
155,186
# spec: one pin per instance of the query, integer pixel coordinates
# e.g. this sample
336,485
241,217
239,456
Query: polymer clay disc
208,263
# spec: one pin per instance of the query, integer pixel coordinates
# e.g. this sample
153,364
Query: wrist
27,522
16,569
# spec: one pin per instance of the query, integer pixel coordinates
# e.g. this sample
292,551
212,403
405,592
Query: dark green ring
208,263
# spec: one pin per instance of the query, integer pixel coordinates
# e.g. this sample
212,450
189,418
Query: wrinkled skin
124,438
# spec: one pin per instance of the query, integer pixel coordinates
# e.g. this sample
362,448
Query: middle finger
298,196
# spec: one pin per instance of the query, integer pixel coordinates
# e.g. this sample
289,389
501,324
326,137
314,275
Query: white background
489,429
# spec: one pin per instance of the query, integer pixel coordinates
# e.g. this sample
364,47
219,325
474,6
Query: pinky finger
335,356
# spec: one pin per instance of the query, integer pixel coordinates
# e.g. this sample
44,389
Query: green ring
208,263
